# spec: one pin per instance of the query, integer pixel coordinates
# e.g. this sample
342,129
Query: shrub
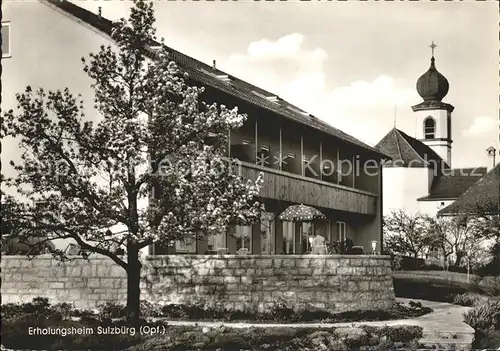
396,262
400,333
468,299
282,310
484,315
149,309
490,285
486,339
18,319
112,310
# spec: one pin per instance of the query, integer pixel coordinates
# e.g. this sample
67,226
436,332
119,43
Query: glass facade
216,242
268,237
243,236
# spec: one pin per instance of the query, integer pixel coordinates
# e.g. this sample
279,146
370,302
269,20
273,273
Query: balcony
284,186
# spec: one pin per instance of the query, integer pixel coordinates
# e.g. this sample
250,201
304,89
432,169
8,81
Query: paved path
442,327
444,315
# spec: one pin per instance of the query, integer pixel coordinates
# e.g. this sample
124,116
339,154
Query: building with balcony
304,160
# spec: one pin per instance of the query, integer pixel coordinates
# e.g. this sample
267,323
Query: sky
352,64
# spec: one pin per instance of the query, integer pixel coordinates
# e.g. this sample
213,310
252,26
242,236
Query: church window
429,128
6,40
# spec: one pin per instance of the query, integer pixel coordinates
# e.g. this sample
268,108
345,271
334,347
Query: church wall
440,116
432,207
402,187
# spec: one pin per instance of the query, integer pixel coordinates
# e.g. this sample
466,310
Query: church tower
433,117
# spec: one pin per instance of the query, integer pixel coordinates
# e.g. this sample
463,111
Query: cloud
481,125
299,74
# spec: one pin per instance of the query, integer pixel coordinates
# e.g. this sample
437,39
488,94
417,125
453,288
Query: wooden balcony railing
291,187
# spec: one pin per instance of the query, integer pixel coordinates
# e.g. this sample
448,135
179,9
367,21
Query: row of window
294,242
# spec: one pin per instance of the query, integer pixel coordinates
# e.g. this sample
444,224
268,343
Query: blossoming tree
143,173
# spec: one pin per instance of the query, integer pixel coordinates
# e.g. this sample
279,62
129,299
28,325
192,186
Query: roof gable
482,196
406,151
452,183
207,75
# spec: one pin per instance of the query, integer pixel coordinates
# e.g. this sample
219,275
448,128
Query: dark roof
207,75
452,183
482,196
406,151
432,85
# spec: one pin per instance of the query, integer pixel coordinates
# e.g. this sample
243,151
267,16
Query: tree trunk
458,258
133,285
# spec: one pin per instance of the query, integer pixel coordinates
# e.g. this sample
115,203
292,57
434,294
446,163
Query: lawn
441,285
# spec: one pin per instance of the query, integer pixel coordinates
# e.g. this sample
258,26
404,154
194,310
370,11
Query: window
306,240
244,237
342,231
288,238
267,233
182,246
263,157
429,128
216,242
6,39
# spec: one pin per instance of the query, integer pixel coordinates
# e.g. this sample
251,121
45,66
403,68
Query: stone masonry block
220,263
308,283
287,263
89,271
248,263
305,271
302,263
107,283
277,262
318,271
265,263
231,280
246,280
318,262
305,296
322,296
233,263
94,283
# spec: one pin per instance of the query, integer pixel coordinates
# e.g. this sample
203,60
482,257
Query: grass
438,275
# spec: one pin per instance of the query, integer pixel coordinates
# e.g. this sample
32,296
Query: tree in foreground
92,182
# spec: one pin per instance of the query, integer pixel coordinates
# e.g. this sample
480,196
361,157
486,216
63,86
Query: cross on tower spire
433,46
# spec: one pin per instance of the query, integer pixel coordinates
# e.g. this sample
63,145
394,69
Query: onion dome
432,85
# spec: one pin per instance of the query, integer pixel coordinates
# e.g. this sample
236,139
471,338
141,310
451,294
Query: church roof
409,152
211,77
482,196
452,183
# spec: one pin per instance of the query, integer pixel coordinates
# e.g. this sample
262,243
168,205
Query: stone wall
336,282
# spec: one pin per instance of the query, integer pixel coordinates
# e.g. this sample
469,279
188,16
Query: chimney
213,64
100,11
